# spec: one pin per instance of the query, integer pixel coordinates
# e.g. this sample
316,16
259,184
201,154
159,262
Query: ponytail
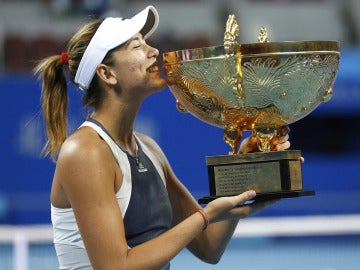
54,95
54,101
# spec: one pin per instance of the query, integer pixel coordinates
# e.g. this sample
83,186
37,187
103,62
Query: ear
106,74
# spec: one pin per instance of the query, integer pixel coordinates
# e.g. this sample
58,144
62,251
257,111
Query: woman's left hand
279,143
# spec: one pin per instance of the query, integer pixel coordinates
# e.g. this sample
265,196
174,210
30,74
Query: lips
153,68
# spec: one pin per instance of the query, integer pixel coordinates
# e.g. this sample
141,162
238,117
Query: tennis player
115,201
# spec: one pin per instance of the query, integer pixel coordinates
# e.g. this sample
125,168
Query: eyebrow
135,38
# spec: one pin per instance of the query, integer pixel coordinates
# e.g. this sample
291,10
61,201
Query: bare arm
223,213
89,178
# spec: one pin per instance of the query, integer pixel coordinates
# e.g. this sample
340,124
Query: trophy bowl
263,87
259,87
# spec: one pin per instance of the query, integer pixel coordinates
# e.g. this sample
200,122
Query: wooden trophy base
272,175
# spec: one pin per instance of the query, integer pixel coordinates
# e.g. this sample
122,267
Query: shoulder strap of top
123,195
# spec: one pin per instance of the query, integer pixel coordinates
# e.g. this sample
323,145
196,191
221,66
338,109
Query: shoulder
84,143
85,168
83,151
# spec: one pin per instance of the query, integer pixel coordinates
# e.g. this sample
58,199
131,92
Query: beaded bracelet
205,218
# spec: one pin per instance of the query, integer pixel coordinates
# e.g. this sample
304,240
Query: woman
115,201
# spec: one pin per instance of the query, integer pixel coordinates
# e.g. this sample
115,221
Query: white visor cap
111,33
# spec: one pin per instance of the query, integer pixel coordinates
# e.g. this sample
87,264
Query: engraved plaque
270,174
235,179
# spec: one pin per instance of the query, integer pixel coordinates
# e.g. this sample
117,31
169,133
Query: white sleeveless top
69,245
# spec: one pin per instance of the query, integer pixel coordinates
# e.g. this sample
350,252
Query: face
136,67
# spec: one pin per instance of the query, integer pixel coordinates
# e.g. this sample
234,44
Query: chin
160,88
159,84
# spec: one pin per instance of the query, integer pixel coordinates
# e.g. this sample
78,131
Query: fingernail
251,194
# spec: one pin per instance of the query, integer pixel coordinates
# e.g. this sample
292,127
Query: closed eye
136,42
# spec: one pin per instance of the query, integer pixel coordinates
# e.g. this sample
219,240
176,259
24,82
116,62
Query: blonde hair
54,94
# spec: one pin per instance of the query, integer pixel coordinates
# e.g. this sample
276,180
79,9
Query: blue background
328,138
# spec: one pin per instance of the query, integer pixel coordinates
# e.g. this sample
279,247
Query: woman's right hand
234,207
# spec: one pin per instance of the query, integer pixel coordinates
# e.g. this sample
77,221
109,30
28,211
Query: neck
119,123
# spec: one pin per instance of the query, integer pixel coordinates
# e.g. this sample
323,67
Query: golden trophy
258,87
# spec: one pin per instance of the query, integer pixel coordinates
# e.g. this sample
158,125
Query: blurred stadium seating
30,30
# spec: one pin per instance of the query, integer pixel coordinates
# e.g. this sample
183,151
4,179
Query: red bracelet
205,218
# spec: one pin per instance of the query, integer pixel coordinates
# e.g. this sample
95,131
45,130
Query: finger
260,205
280,139
242,198
249,145
243,211
283,146
284,130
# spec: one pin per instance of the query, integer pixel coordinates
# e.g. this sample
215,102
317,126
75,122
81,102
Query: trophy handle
233,134
230,35
232,59
263,36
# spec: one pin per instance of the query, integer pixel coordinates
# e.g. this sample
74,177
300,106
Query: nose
153,52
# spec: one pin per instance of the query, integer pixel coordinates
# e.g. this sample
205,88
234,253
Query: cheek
131,67
133,62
